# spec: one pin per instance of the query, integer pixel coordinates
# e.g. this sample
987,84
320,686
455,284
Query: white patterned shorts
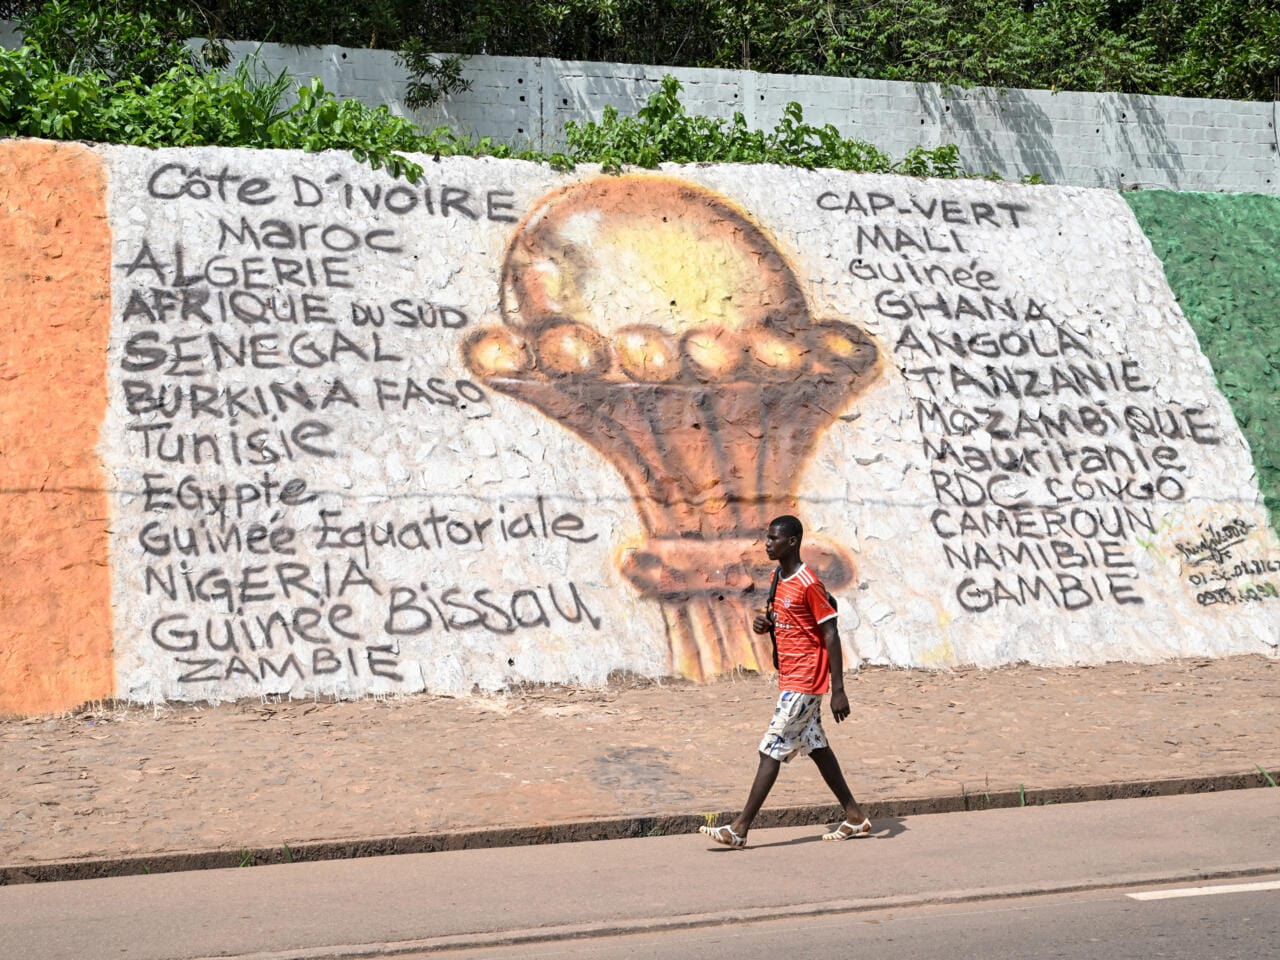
796,727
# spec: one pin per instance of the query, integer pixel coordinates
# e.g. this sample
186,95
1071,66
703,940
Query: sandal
724,835
849,831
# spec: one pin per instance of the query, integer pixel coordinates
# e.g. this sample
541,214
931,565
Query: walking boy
809,662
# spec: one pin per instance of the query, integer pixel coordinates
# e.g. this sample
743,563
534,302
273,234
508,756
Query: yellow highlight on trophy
649,251
499,353
647,354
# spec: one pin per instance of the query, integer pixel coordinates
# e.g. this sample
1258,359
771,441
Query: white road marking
1206,891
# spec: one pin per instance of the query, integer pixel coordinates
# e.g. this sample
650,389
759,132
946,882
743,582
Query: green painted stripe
1221,253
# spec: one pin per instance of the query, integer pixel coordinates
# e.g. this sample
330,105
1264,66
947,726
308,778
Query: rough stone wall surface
55,648
360,437
1082,139
511,425
1221,255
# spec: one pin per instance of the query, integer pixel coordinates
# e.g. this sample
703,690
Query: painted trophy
657,321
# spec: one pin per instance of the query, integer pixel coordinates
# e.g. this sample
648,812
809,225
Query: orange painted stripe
55,315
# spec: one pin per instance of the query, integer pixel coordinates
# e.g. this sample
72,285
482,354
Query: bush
664,132
185,106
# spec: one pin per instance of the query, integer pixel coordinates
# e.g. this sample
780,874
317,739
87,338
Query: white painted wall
946,559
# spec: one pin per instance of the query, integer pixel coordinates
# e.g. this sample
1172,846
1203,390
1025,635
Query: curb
619,928
605,829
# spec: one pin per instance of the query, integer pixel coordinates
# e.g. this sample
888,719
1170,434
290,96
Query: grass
247,858
969,800
1271,781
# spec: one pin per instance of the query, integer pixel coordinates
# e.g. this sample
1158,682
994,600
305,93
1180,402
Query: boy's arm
839,699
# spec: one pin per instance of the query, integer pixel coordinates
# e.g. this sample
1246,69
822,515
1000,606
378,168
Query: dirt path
119,780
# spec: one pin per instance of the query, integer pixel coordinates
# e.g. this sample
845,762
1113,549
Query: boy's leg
791,716
766,776
829,767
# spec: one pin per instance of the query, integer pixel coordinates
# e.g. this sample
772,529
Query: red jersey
799,606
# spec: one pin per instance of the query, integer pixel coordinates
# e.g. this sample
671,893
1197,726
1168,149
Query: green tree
120,38
1203,48
1223,48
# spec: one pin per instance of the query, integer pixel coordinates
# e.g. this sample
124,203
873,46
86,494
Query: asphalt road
1105,925
550,898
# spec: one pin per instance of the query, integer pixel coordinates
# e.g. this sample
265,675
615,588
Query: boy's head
783,536
788,526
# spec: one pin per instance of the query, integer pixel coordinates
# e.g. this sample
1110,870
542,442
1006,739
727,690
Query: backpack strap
773,592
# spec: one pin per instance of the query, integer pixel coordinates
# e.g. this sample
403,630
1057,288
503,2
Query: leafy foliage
184,107
121,38
1224,48
1200,48
431,76
1195,48
119,95
664,132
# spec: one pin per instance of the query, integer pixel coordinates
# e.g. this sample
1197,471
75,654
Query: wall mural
507,425
659,323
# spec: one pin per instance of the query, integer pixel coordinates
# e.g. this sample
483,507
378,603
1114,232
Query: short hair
789,525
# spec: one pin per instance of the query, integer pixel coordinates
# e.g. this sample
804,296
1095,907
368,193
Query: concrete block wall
1112,140
1080,139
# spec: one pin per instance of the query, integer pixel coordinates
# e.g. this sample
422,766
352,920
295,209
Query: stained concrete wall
1082,139
1113,140
355,436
